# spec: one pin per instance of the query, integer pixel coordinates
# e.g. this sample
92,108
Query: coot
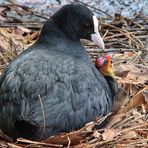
103,64
53,86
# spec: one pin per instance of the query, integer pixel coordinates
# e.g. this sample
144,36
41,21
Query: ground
125,41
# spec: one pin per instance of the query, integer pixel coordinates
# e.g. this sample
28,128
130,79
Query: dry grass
128,126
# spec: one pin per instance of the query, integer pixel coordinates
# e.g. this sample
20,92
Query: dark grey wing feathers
72,93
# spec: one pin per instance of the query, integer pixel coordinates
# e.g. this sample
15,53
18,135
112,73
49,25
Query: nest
125,40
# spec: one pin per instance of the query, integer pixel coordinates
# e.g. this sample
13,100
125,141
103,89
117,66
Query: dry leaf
133,89
131,74
145,93
2,9
124,146
2,19
115,119
24,29
96,134
121,99
108,135
130,135
135,101
90,126
75,137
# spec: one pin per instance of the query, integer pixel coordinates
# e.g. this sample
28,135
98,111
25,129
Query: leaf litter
125,40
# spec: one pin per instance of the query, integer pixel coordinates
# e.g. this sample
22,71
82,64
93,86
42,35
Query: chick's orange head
103,64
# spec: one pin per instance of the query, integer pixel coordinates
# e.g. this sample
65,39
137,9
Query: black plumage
53,86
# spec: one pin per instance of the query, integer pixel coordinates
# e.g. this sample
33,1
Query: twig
31,25
137,39
11,42
138,35
38,143
105,34
111,50
122,122
11,145
44,121
132,128
141,66
139,141
98,144
124,32
115,35
69,142
138,24
140,58
41,15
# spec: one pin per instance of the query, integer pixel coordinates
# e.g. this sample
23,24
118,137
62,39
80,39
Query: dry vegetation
125,39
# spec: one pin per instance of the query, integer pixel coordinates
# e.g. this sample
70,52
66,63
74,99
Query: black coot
53,86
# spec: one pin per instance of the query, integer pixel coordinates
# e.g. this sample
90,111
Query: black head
78,22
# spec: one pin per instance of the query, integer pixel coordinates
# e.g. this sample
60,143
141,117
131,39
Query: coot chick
53,86
103,64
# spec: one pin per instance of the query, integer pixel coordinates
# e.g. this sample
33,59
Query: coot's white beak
96,38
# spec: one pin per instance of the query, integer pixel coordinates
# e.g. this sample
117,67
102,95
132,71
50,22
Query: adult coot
53,86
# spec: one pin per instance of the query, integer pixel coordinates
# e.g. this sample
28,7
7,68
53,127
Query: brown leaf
2,9
122,98
145,93
130,135
75,137
115,119
131,74
2,19
96,134
109,135
24,29
133,89
90,126
121,73
124,146
135,101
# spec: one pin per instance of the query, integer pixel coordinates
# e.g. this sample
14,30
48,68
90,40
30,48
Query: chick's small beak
111,72
96,38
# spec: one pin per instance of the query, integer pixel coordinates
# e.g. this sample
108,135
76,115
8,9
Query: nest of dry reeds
126,40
